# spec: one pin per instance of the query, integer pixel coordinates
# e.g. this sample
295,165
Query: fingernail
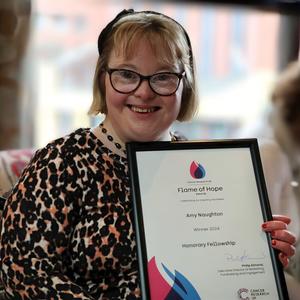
273,242
264,225
273,233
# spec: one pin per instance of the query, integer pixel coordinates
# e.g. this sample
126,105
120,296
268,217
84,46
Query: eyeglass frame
144,77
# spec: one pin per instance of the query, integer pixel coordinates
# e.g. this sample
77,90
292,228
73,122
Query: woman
67,227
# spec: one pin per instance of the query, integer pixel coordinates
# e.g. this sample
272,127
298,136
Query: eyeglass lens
126,81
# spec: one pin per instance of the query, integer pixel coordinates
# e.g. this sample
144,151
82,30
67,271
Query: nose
144,91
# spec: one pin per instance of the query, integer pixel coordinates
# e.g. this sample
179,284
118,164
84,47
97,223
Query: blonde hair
288,82
287,92
165,36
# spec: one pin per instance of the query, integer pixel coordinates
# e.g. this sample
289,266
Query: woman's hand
282,239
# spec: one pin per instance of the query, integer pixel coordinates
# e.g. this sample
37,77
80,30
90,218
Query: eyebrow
163,68
125,66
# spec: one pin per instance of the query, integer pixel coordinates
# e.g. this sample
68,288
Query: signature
244,257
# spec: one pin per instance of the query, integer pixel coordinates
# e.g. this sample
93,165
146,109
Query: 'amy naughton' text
204,214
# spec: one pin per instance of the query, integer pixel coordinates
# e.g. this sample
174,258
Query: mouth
143,110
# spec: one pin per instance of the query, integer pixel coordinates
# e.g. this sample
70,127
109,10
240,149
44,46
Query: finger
282,218
283,259
274,225
285,248
284,235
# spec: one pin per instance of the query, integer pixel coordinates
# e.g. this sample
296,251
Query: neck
165,136
112,139
107,124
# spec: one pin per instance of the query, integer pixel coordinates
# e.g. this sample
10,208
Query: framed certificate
198,210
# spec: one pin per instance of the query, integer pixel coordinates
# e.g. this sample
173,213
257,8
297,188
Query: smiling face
141,115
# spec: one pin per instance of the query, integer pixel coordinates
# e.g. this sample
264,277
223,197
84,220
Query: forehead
152,45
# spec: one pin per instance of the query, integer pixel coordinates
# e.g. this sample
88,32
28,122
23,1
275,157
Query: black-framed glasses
126,81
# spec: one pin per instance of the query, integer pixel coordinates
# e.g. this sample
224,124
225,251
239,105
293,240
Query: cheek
173,106
113,98
109,92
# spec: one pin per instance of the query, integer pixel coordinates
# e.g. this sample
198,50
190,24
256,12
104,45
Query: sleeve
278,178
36,228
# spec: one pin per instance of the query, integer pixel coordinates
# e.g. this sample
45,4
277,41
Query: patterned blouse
67,226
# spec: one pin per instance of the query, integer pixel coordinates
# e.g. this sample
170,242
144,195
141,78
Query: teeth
142,110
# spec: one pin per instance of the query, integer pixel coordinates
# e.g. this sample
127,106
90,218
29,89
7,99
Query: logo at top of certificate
197,171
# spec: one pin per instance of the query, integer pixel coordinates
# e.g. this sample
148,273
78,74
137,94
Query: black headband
108,28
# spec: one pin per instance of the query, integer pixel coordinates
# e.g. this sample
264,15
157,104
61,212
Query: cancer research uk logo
243,294
257,293
196,170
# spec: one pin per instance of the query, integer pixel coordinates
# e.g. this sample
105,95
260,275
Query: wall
14,29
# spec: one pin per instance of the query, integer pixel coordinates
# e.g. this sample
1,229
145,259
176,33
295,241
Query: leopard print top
67,226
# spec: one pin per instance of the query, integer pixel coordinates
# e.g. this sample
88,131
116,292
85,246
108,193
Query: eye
162,77
126,74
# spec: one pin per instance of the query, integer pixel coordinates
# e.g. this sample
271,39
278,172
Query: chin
153,138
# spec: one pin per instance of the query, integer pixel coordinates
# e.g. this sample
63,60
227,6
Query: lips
143,110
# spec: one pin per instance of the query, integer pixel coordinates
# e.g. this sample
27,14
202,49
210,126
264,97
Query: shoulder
77,138
271,150
274,160
65,148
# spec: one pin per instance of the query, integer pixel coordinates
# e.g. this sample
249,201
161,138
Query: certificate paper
198,211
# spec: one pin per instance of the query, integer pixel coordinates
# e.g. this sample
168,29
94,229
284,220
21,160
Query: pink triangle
159,287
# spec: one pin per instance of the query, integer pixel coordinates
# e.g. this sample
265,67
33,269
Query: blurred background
48,51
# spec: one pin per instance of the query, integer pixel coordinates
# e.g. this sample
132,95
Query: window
235,51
